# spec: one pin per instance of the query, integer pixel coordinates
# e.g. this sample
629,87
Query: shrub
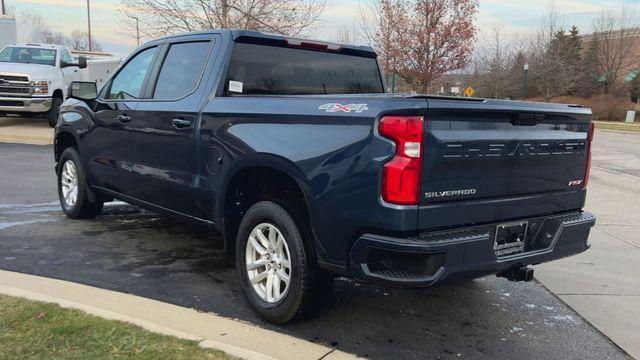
604,107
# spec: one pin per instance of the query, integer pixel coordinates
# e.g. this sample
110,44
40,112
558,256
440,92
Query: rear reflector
401,175
592,129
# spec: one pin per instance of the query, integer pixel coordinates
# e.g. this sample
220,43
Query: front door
108,143
163,134
69,73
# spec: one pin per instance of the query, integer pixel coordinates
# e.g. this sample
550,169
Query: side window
66,57
181,70
128,83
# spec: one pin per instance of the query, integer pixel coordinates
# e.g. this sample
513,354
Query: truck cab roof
38,45
274,39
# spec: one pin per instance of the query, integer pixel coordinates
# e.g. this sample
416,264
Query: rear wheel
280,279
52,114
75,196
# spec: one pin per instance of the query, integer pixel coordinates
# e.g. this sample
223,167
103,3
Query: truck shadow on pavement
133,251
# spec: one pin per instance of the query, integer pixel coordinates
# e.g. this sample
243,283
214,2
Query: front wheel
73,192
279,277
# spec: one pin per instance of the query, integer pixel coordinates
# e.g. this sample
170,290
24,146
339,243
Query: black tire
308,285
3,114
87,204
52,114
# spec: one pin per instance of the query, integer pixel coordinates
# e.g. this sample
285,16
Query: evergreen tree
588,84
573,58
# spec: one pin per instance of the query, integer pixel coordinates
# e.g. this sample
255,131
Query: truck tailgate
497,152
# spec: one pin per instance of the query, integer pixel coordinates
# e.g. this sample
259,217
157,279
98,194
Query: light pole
4,12
137,28
89,24
524,81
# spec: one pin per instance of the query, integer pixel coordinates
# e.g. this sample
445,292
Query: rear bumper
436,257
25,104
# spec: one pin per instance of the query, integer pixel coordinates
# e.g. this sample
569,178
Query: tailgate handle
528,119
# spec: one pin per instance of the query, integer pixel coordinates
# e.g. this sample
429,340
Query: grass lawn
35,330
617,125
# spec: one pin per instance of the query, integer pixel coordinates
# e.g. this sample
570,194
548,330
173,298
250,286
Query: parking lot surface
134,251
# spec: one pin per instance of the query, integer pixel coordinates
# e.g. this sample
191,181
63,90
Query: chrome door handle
180,123
123,118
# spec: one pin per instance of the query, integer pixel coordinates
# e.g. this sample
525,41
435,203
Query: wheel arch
62,141
287,175
58,93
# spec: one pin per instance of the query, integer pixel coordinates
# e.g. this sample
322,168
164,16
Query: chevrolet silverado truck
294,152
34,79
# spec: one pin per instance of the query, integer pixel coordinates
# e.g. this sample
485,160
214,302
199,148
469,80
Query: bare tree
421,40
162,17
615,32
347,34
80,41
548,58
378,31
34,19
55,37
494,62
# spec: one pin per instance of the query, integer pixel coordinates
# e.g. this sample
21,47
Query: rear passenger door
163,133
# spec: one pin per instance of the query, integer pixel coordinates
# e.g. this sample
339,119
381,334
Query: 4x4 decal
336,107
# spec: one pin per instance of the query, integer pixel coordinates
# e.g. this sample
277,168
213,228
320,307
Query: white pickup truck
34,78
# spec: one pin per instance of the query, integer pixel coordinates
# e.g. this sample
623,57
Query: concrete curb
212,331
26,139
23,130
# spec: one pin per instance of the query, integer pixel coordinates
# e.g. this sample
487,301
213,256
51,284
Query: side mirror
82,62
83,90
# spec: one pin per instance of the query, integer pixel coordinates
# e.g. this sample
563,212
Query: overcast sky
515,16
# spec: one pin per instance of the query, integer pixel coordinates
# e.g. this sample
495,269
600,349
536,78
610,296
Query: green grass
35,330
610,125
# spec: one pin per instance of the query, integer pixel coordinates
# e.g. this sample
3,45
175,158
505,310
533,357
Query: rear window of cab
271,70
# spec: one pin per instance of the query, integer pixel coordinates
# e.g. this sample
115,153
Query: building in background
8,31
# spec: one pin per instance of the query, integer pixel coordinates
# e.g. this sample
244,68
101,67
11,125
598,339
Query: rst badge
575,182
337,107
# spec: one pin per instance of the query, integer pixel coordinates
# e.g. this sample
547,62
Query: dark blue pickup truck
295,153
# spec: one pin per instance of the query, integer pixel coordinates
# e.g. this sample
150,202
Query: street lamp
524,81
89,24
137,28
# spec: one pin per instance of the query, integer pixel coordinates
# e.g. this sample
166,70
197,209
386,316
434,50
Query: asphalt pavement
602,284
133,251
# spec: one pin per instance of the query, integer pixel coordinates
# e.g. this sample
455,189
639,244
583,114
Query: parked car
34,78
294,152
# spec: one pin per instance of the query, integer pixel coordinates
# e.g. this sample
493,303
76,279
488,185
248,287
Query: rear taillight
592,129
401,175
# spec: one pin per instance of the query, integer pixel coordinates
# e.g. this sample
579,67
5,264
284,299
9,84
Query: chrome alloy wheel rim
69,183
268,262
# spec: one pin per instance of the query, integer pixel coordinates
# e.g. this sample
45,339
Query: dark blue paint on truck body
518,156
